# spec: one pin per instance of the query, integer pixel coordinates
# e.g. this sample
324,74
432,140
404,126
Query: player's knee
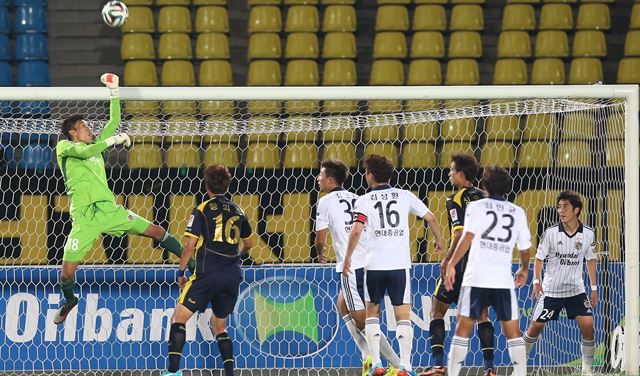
156,232
588,332
219,325
438,309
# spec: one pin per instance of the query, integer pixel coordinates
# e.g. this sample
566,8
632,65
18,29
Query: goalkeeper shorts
102,217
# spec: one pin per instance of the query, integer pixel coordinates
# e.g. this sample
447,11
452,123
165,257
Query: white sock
372,332
588,351
518,355
529,342
404,334
387,351
457,353
357,336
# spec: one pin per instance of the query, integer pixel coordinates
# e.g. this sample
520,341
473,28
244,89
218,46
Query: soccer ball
115,13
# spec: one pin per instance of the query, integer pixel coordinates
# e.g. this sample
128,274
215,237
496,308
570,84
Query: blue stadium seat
4,3
6,156
19,3
5,48
36,157
30,19
33,73
34,108
32,47
4,20
5,80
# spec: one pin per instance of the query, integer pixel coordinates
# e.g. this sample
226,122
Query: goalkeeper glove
119,139
111,80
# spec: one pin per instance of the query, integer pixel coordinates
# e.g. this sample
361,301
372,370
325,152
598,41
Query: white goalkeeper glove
111,81
119,139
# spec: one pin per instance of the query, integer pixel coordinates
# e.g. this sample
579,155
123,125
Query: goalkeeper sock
485,332
436,329
67,290
177,337
172,244
226,350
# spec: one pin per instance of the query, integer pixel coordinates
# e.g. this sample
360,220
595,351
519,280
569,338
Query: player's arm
456,217
461,249
80,150
592,271
523,243
187,250
457,234
523,271
245,235
320,242
434,226
322,229
537,278
354,238
111,80
245,245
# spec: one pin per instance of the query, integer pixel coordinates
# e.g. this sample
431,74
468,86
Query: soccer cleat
404,372
366,365
176,373
434,371
586,371
391,371
64,310
490,372
377,370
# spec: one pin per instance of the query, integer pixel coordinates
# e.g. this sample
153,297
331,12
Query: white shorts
352,287
473,300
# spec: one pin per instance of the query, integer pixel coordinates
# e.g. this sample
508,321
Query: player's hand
537,290
594,299
322,258
111,81
437,246
521,277
450,278
119,139
182,280
346,266
443,267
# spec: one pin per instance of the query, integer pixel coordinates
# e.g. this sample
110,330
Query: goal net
273,140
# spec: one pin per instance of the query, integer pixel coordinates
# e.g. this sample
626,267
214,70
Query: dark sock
486,334
67,290
177,337
172,244
226,350
436,330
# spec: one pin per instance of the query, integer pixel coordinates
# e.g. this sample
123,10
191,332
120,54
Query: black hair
496,180
380,166
217,178
335,169
69,124
573,199
466,163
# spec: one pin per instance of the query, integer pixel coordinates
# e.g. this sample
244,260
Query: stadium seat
212,46
392,18
6,156
376,130
340,18
459,129
429,18
590,43
302,18
263,123
145,3
449,148
178,73
4,20
593,17
510,72
219,108
502,128
264,73
140,21
136,46
629,70
223,154
183,129
518,17
174,19
212,19
574,154
36,157
419,155
431,1
632,43
30,19
33,73
264,2
615,125
634,22
535,154
465,44
294,129
174,46
215,73
548,72
422,131
302,46
501,154
424,72
345,152
585,71
556,17
386,149
580,126
302,73
34,108
460,103
337,106
264,46
467,17
427,44
183,156
387,72
141,107
339,72
179,107
540,127
552,43
514,44
145,124
220,129
263,155
265,19
162,3
462,72
385,2
614,153
339,46
341,128
143,155
301,155
5,48
390,44
5,74
32,47
422,104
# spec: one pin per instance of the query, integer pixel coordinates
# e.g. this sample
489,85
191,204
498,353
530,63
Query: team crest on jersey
454,214
130,217
578,245
190,221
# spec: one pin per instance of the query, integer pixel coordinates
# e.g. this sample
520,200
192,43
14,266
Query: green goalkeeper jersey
82,165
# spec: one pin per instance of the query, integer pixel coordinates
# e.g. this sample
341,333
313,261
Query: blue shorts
397,283
219,289
548,308
473,300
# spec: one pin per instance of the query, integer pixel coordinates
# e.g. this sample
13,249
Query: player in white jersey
334,214
564,246
385,212
492,227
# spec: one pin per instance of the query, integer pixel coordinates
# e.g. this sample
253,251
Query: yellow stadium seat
465,44
377,129
462,72
212,19
140,21
510,72
179,107
615,125
459,129
263,155
585,71
501,154
333,2
300,2
264,107
146,3
209,2
264,2
419,155
427,44
183,156
628,70
450,148
223,154
339,72
599,1
431,1
590,43
390,44
392,18
264,73
502,128
535,154
556,17
384,106
217,107
345,152
552,43
634,23
302,18
385,2
467,1
215,73
265,19
386,149
593,17
270,123
175,46
144,156
632,43
339,46
336,106
178,73
264,46
212,46
302,107
387,72
341,18
309,123
302,73
146,129
302,46
423,131
548,72
580,126
429,17
614,151
221,130
514,44
518,17
141,107
186,129
140,73
137,46
422,105
460,103
540,127
574,154
467,17
301,155
424,72
162,3
339,128
174,19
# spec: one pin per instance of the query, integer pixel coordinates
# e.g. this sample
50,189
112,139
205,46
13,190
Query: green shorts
100,218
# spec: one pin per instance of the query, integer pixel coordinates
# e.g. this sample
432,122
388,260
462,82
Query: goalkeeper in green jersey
93,205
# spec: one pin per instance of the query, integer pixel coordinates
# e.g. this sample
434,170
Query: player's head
464,169
569,206
332,174
496,181
217,179
378,169
76,129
